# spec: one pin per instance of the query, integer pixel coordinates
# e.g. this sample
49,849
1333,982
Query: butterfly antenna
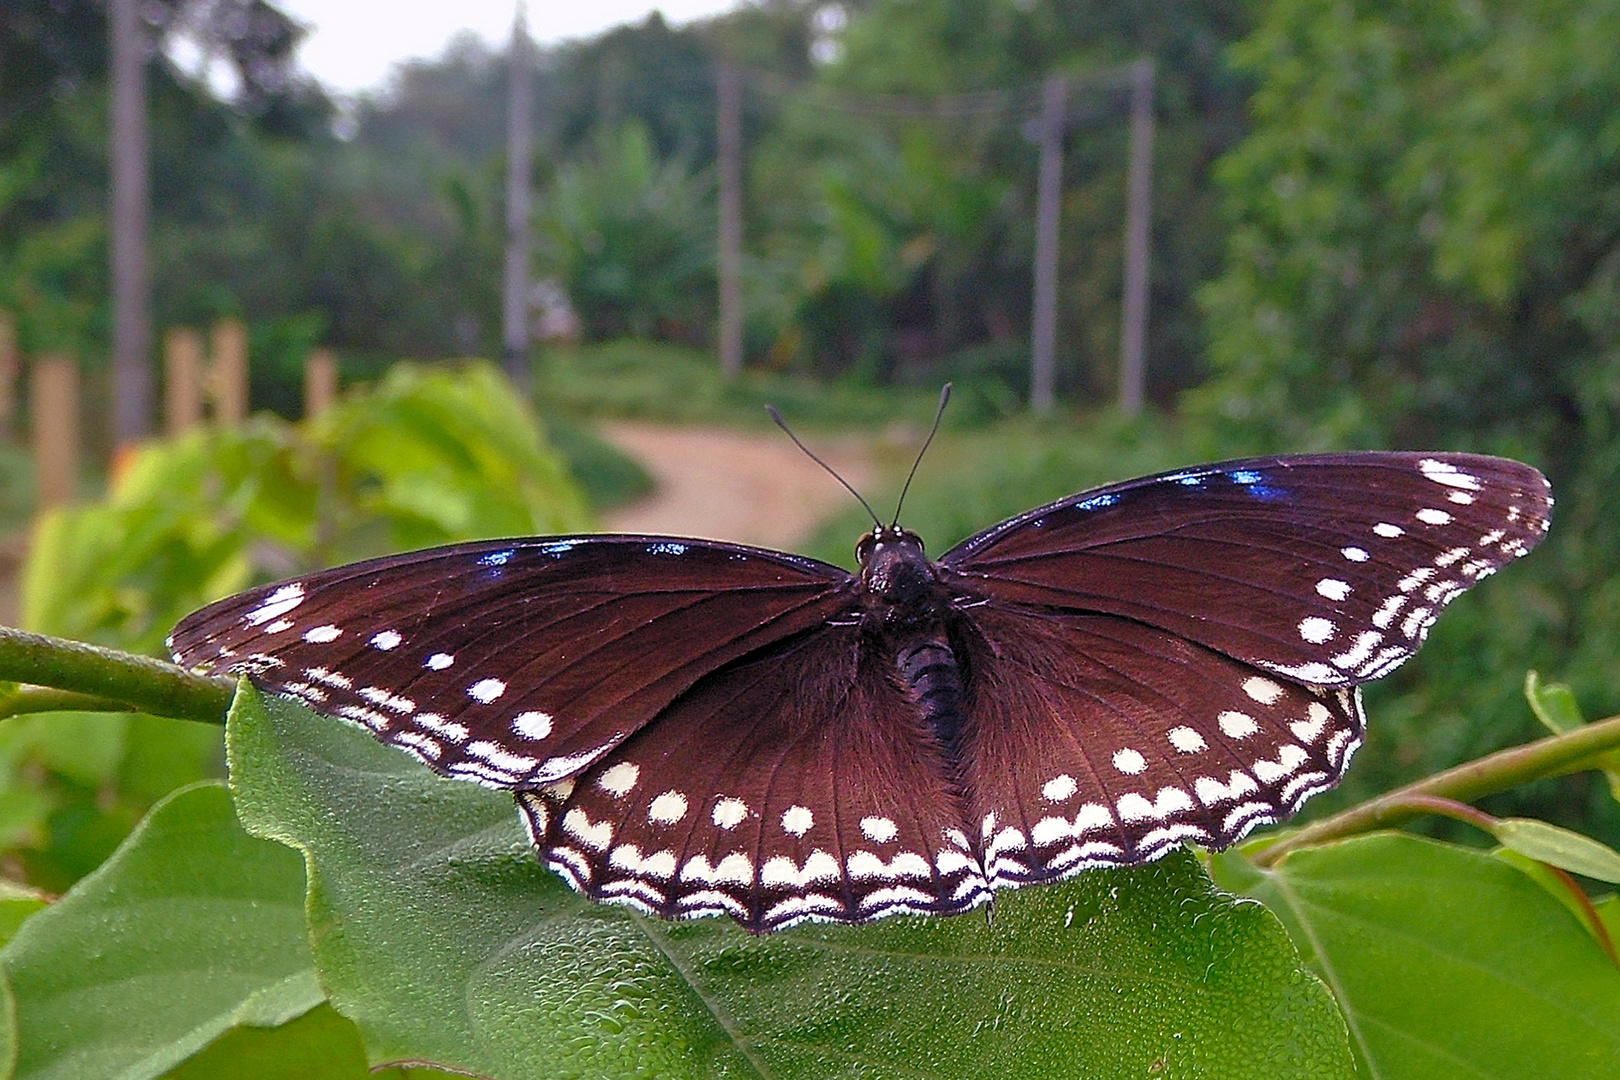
776,416
944,396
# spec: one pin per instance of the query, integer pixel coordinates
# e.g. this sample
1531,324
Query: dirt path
730,485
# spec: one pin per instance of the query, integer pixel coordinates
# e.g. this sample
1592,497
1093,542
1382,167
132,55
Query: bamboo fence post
229,373
8,377
54,400
320,381
183,367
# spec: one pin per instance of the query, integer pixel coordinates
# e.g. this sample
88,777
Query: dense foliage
1423,253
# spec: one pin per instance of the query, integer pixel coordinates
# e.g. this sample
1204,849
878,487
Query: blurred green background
1374,225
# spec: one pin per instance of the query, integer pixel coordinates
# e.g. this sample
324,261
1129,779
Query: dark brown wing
1323,568
799,783
512,663
1097,741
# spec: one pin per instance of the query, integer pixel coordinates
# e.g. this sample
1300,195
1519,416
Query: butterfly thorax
905,607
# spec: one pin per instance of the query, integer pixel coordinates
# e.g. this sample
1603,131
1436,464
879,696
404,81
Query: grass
650,381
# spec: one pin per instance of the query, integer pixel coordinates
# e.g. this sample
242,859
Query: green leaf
1562,848
319,1045
17,902
1555,706
191,927
438,933
1553,703
1559,886
1446,961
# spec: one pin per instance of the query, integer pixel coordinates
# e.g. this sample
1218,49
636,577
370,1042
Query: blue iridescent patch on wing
558,547
496,558
1097,502
1253,481
664,548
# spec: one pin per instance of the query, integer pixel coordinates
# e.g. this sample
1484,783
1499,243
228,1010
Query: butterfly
697,728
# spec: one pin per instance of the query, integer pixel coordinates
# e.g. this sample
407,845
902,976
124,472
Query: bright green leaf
1553,703
191,927
1562,848
437,931
1446,961
1608,913
1555,706
8,1028
1559,886
17,902
319,1045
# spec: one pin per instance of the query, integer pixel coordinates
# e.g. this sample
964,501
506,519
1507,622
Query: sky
350,48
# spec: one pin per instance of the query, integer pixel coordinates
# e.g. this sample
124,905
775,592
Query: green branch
103,679
1556,755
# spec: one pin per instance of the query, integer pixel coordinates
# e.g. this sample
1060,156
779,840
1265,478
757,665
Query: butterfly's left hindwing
1097,741
512,663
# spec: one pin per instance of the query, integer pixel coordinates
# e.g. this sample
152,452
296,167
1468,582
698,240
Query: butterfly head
893,565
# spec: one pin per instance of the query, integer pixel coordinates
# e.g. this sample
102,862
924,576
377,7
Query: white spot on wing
1169,800
668,808
879,829
1186,740
276,604
486,690
618,779
531,724
1262,690
1366,643
1316,630
386,640
1059,788
438,661
1333,588
729,813
1444,472
1388,531
1129,762
500,757
1237,725
598,836
320,635
1354,554
437,724
1430,516
797,820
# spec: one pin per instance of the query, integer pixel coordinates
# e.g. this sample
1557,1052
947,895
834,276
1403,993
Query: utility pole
1138,222
519,154
1048,197
729,95
131,277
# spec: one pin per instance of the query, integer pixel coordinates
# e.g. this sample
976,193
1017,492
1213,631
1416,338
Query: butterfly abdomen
931,675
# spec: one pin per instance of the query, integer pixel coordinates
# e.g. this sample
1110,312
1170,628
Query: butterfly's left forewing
1326,569
512,663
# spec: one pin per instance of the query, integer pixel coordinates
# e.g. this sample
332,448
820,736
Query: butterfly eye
863,549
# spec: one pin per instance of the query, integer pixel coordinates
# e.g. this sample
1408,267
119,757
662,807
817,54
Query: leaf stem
101,679
1552,756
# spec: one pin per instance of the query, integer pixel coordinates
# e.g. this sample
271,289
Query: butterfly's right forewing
512,663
